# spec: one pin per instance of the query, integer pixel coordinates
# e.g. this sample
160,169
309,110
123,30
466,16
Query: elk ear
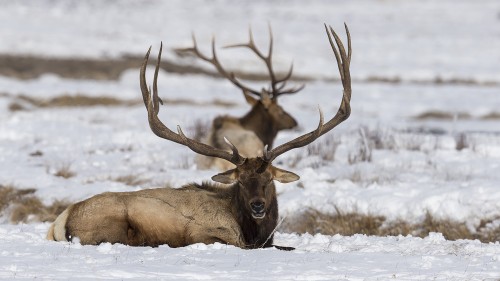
227,177
251,100
284,176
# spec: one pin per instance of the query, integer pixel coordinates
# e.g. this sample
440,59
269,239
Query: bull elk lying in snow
244,214
259,127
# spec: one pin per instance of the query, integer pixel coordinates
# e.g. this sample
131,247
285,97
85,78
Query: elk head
254,183
253,177
267,117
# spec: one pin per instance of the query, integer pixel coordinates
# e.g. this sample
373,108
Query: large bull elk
244,214
259,127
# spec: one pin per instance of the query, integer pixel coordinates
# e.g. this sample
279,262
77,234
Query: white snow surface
413,173
25,254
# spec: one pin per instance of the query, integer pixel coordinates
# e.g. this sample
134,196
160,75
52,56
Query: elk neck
259,121
255,233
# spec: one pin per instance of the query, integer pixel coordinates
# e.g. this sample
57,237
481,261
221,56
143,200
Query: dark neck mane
260,234
257,121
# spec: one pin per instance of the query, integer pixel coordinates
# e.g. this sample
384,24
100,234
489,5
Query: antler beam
153,106
343,63
278,85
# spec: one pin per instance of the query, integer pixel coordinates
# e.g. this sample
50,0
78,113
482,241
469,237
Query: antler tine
163,131
142,78
156,99
344,110
303,140
216,63
348,42
276,90
292,90
236,155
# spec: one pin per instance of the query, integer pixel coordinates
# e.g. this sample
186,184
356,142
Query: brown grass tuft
130,180
21,205
441,115
200,129
491,116
25,102
313,221
78,100
64,171
451,230
324,148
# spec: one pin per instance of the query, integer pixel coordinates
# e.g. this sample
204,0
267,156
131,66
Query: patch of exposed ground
443,115
24,102
313,222
30,67
22,205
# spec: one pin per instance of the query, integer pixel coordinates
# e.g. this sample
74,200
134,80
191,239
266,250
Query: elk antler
215,62
277,87
343,62
153,107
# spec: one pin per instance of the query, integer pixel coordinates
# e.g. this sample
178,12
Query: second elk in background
265,119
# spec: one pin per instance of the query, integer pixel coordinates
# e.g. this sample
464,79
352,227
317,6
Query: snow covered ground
416,168
24,254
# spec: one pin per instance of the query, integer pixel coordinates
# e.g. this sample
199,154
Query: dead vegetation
491,116
64,171
200,129
313,221
23,206
130,180
24,102
442,115
30,67
325,148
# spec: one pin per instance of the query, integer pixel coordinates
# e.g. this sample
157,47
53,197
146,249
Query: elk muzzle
258,207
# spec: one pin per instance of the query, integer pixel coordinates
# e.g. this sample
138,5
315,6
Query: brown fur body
195,213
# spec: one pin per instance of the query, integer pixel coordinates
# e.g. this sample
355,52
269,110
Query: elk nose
257,206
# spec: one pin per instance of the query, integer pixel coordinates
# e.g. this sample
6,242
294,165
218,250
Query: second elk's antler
277,85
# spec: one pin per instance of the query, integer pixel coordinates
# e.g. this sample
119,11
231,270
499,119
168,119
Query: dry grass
324,148
491,116
313,221
24,102
21,205
462,141
200,129
64,171
441,115
130,180
30,67
364,148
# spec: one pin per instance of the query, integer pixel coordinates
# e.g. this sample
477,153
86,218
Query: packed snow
415,169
